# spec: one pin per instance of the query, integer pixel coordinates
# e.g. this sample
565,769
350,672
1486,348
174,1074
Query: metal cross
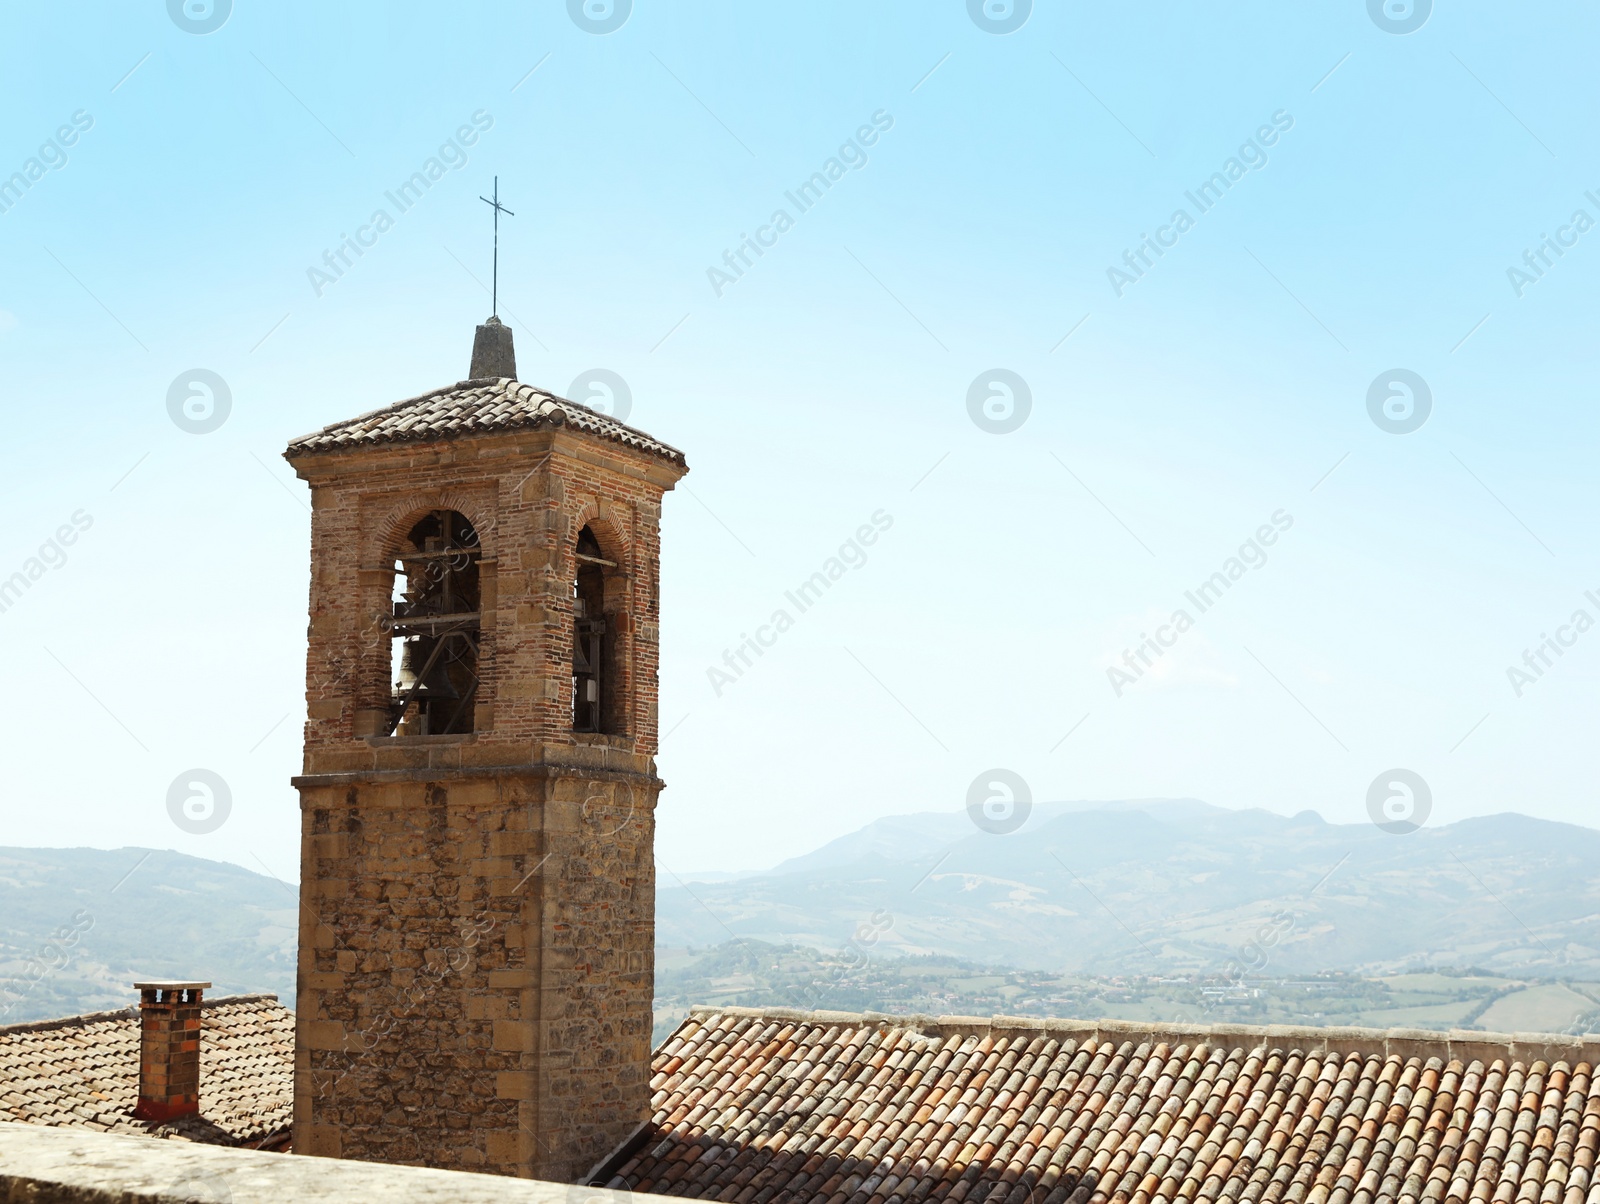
498,210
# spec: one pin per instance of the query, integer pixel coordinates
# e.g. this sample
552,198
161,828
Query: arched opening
434,662
593,653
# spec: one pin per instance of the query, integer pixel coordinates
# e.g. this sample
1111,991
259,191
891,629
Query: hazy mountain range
78,926
1166,886
1175,885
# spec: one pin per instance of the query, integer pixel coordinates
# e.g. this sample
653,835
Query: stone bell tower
478,803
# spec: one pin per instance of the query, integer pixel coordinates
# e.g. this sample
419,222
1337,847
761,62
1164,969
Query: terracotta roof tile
784,1107
83,1071
472,407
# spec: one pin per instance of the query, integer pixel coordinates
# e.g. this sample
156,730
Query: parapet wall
1465,1045
42,1165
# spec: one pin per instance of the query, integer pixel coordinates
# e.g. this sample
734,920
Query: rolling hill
78,926
1175,886
1144,888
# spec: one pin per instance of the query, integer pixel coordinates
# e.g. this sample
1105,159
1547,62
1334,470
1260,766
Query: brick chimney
169,1049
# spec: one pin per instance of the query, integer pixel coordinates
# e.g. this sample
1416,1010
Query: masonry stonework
477,924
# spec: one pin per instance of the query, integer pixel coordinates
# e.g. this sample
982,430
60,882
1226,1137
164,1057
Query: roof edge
129,1012
373,413
606,1169
1466,1044
296,448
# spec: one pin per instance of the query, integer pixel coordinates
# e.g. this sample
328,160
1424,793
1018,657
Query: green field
1545,1007
750,973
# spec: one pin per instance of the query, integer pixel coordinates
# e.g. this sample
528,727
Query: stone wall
43,1165
477,970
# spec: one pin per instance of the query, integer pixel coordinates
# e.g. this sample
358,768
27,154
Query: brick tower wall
477,932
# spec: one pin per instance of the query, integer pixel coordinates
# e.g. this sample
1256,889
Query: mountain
1176,886
929,833
1140,888
79,926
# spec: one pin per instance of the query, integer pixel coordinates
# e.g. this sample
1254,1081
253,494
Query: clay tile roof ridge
1222,1042
471,406
381,411
87,1018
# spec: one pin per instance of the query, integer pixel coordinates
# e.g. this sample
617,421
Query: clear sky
1000,201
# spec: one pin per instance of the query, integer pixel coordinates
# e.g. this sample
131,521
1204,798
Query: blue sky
831,382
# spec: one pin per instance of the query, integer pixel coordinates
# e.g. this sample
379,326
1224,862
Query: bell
436,683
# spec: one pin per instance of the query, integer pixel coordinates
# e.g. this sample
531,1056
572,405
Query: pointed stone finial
493,355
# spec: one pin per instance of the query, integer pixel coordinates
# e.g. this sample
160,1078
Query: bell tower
477,914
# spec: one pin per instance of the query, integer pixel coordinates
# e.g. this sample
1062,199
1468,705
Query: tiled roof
84,1071
782,1106
476,407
